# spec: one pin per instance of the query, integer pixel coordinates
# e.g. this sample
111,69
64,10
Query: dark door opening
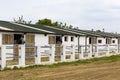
90,40
58,40
19,39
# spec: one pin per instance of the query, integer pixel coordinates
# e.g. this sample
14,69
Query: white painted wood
82,53
37,56
108,50
63,56
73,53
52,54
90,54
3,57
97,52
22,55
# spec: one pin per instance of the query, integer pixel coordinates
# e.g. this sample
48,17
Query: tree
45,21
49,22
55,24
98,30
70,26
21,20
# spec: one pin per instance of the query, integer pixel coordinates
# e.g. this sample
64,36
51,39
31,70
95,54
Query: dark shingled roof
56,30
18,28
42,29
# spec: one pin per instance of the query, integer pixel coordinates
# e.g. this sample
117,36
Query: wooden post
3,57
118,45
52,54
91,50
82,52
63,56
85,43
37,55
97,51
108,50
78,45
22,55
73,53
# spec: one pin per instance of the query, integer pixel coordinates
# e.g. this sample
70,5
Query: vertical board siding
8,39
52,40
30,42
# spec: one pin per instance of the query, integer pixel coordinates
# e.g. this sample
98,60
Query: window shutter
94,40
110,40
52,40
30,39
7,38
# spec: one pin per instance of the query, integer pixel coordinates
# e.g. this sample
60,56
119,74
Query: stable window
7,38
99,41
113,41
65,38
72,39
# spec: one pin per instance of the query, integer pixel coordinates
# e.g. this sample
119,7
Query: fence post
37,55
52,54
108,50
97,51
117,49
3,57
82,52
73,53
63,56
79,52
91,51
22,55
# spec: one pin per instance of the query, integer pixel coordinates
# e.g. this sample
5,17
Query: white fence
48,51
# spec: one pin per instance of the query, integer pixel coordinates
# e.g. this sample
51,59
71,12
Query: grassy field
106,68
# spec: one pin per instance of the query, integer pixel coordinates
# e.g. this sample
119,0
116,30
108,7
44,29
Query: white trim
31,27
4,28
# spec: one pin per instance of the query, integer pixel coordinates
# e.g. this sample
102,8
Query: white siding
103,41
115,39
41,40
69,42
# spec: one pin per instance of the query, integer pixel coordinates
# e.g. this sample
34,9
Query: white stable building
51,41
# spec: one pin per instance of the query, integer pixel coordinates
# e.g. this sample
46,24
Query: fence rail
66,53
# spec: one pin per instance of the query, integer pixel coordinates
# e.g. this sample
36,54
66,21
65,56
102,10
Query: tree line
45,21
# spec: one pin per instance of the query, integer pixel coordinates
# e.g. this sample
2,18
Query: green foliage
45,21
98,30
21,20
49,22
15,68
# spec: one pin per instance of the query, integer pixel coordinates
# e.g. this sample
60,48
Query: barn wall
115,39
82,40
103,41
0,38
41,39
69,42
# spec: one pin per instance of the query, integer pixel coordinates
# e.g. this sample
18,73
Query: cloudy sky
85,14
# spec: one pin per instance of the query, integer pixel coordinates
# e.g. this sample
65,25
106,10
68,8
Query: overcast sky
85,14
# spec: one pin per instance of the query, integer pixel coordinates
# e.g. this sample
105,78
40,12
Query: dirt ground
92,71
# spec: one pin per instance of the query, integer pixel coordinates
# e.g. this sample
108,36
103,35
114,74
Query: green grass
101,60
